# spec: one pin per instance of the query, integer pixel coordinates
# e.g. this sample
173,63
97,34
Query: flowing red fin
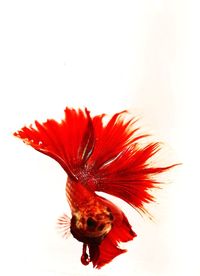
63,226
121,164
70,142
107,252
105,157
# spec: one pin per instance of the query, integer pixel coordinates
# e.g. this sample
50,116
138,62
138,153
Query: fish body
98,156
96,222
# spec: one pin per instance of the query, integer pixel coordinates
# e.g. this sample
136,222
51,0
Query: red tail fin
104,157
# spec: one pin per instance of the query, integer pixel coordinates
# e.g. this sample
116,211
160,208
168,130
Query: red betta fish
97,156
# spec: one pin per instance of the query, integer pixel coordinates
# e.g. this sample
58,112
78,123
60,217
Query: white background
109,56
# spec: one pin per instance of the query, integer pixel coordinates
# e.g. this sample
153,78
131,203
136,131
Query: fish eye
91,223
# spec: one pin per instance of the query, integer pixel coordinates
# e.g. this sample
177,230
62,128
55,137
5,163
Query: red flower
98,156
